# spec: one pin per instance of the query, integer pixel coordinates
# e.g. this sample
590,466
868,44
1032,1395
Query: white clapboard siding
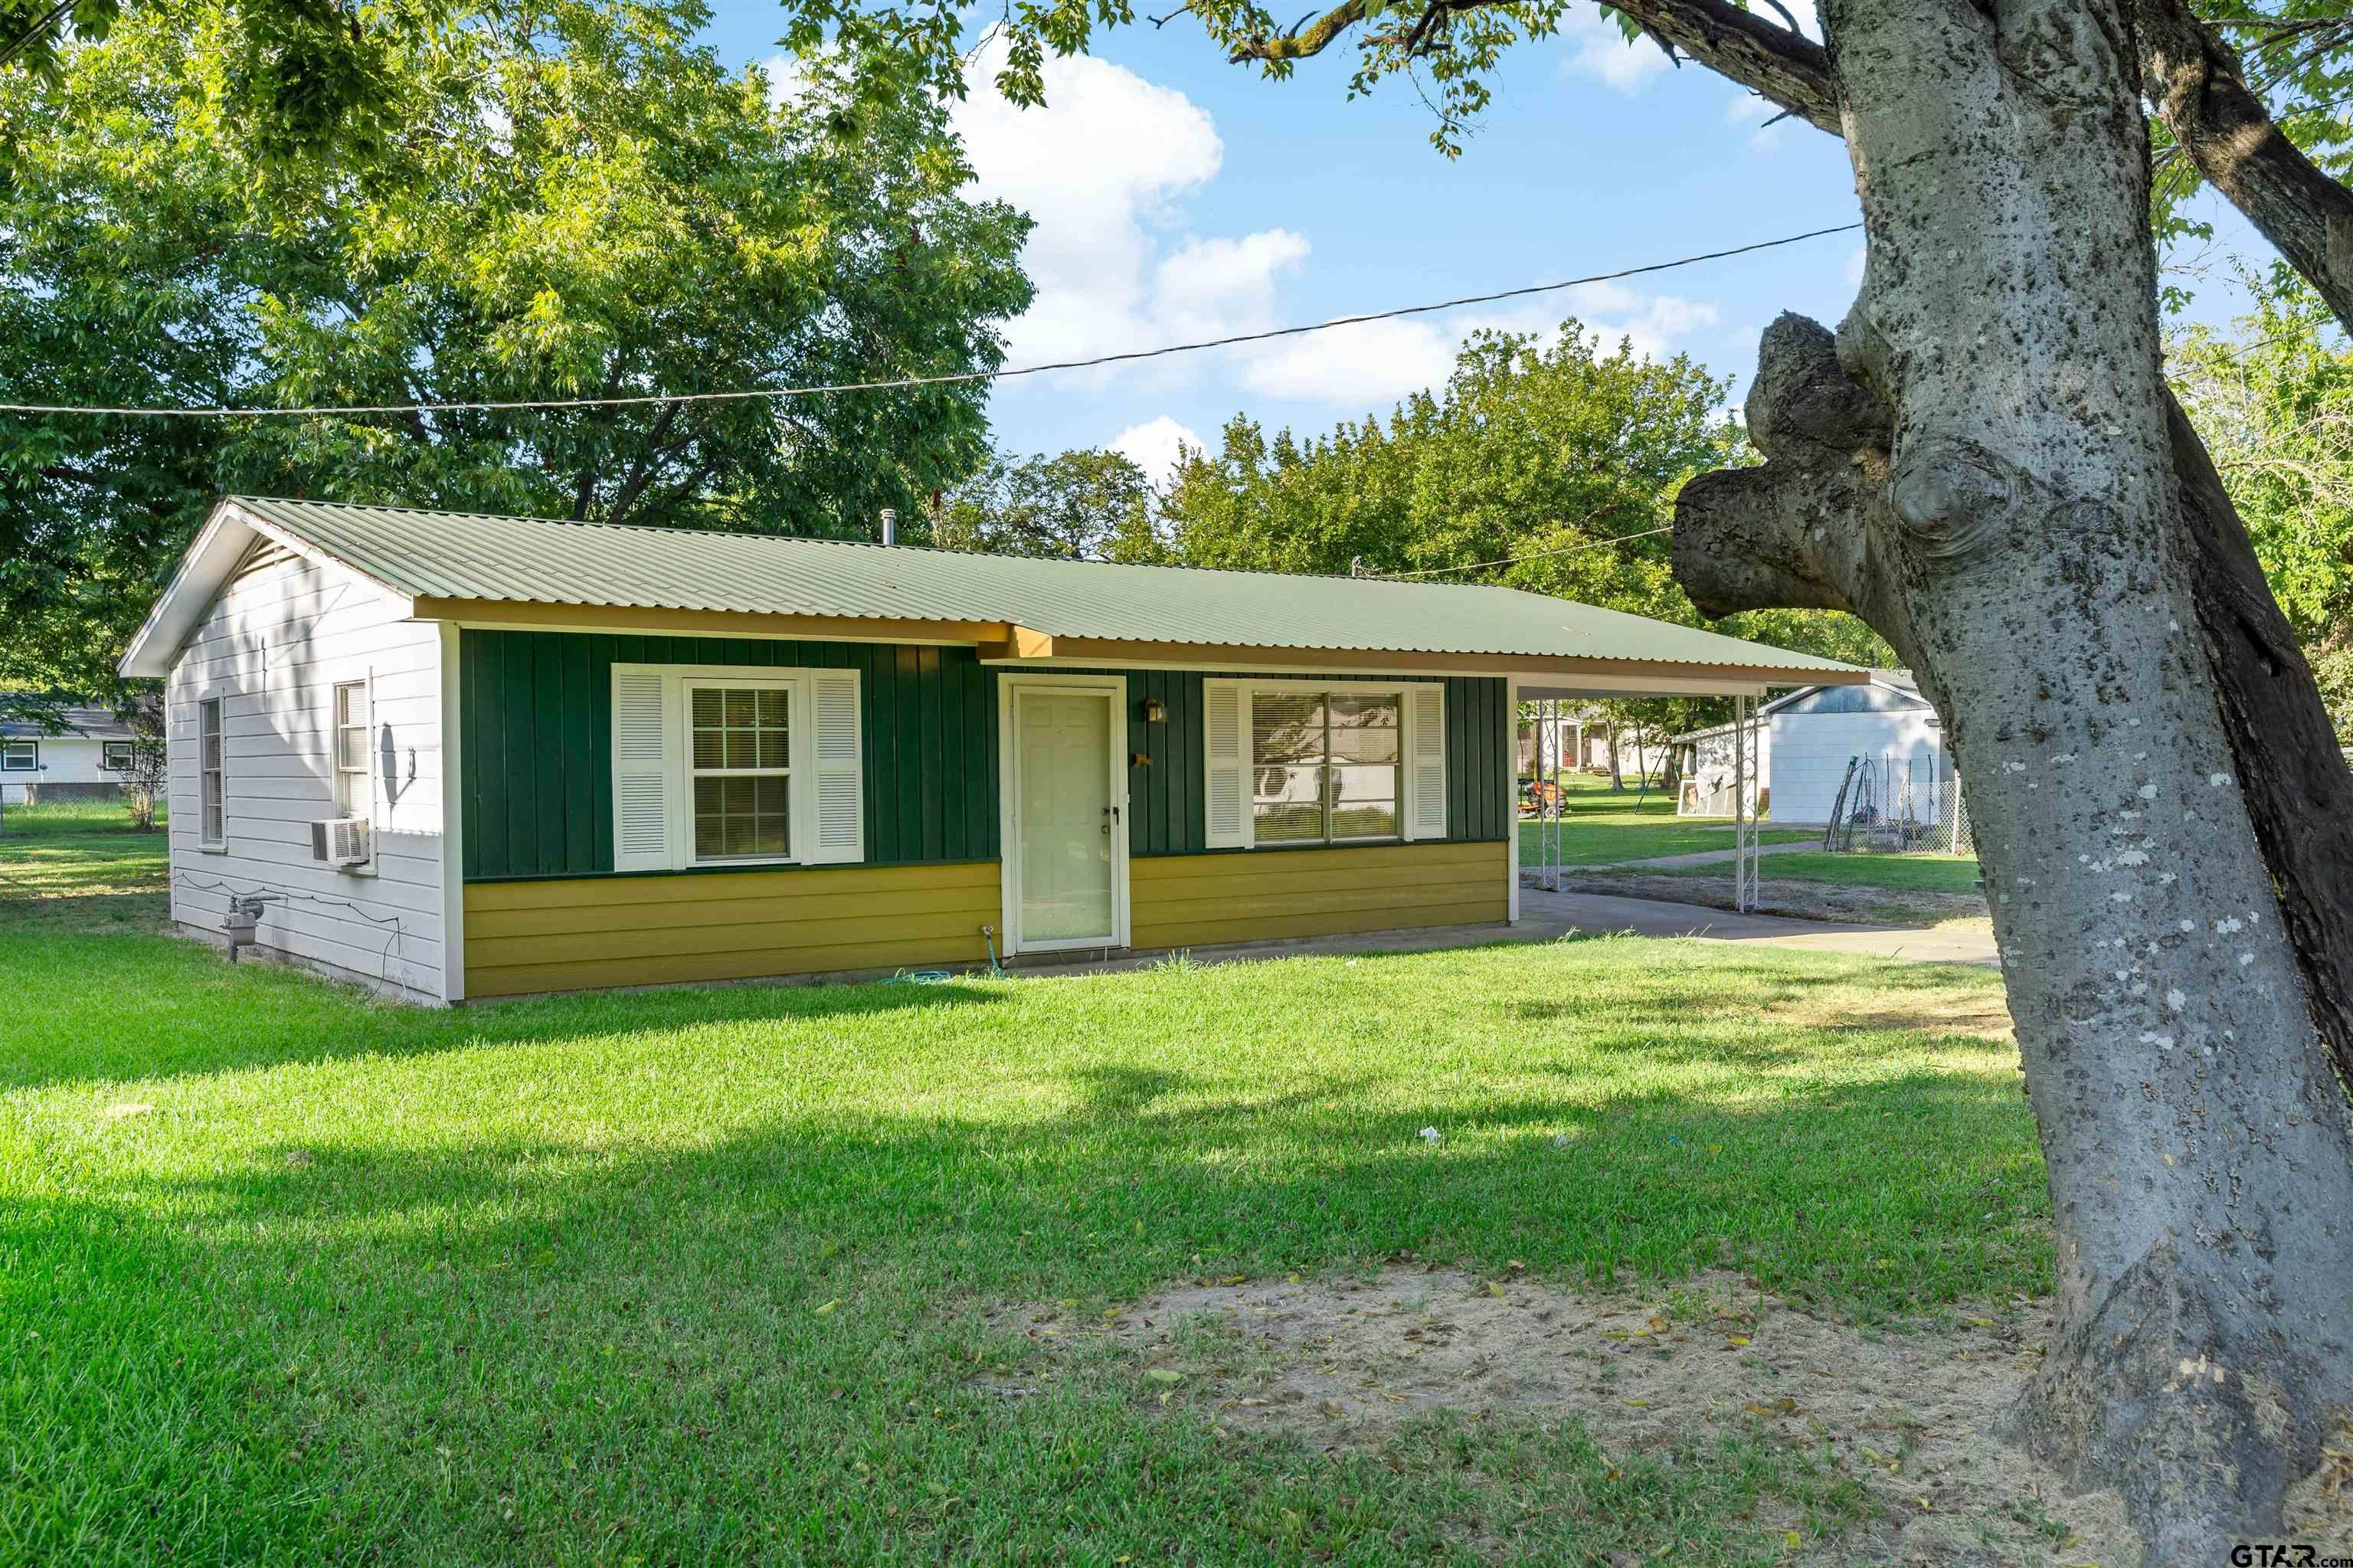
283,633
1811,751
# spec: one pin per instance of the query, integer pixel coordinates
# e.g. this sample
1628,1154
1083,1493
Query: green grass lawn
76,864
1903,872
1601,826
697,1276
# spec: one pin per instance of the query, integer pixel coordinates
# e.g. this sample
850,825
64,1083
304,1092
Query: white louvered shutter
1225,748
1425,761
642,728
839,832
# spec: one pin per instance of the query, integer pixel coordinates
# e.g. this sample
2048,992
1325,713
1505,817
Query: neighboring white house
1707,760
84,763
1814,734
1579,737
1806,742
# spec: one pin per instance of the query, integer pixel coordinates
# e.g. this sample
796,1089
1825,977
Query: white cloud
1365,368
1369,366
1152,446
1597,49
1103,168
1206,288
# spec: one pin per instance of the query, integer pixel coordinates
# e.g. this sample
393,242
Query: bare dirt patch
1951,1011
1798,900
1908,1411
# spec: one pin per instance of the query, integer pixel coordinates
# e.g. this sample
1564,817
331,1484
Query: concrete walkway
1553,913
1704,857
1546,917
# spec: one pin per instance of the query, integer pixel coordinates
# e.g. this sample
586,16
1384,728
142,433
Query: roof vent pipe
890,524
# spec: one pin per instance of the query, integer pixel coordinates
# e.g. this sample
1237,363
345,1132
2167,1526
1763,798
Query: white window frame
800,800
354,787
106,750
817,777
8,750
213,707
1401,690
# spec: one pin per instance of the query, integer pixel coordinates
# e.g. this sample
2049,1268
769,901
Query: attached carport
1551,695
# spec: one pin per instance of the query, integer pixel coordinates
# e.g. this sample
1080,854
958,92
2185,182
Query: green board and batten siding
536,711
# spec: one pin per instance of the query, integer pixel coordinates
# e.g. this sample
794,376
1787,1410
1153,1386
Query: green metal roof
447,555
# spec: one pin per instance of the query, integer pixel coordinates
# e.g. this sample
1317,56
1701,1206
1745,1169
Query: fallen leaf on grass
1165,1374
827,1310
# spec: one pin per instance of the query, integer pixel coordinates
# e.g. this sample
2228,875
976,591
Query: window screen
212,776
1325,765
351,726
740,756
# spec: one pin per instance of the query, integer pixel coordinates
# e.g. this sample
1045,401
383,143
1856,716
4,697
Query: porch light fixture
1154,711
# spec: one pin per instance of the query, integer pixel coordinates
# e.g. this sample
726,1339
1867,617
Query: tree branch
1805,531
1299,46
2201,91
1783,64
1796,533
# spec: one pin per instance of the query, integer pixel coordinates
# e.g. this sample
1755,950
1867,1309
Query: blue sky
1179,198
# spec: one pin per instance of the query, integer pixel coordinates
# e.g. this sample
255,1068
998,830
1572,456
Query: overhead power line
1533,555
907,382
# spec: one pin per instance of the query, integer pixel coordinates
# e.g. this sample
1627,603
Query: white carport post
1744,815
1550,806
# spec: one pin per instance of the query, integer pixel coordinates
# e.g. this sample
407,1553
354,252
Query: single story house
1575,741
580,755
1883,728
84,763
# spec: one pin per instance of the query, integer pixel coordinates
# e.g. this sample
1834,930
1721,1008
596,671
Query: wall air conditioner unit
340,841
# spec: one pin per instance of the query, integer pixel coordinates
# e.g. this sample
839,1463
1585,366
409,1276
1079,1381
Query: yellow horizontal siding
1315,861
581,933
1185,901
696,887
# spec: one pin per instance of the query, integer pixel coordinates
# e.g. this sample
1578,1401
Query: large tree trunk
1983,468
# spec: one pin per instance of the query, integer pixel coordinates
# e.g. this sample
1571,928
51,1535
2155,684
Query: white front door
1066,855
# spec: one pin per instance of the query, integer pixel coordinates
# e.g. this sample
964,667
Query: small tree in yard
148,773
1984,463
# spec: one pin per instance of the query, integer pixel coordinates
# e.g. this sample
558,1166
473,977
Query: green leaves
2276,409
570,199
1087,503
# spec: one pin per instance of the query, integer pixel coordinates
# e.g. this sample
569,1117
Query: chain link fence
1890,806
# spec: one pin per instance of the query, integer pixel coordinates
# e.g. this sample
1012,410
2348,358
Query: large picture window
1327,766
740,757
